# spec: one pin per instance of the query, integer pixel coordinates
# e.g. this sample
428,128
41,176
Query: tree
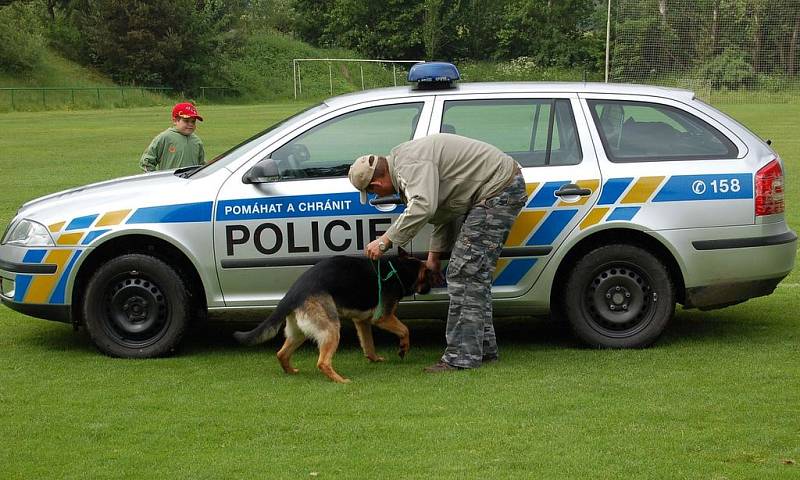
159,42
21,42
552,33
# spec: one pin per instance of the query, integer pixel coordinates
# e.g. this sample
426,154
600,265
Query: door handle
392,200
571,189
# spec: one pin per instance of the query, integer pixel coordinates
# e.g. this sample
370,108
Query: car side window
328,149
536,132
650,132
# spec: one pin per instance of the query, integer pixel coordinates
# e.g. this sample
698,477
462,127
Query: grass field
715,398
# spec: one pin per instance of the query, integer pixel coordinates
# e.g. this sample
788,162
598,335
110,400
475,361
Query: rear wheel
619,296
136,306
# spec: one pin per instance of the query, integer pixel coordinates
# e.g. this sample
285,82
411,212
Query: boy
177,146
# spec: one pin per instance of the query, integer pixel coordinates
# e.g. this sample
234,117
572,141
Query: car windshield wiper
186,172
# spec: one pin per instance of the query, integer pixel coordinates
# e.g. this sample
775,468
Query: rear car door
548,136
668,166
267,234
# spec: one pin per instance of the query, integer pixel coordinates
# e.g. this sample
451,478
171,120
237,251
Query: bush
21,41
729,70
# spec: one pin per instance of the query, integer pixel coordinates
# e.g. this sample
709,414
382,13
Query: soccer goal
343,75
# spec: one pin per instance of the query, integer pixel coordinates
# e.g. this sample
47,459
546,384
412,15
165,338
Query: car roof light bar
433,75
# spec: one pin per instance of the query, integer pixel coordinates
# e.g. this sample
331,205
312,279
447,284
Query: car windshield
223,159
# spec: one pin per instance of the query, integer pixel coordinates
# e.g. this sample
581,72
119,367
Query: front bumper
33,281
56,313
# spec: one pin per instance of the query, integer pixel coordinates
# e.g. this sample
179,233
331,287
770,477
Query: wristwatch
381,245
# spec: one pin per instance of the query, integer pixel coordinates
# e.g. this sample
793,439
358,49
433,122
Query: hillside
260,70
56,71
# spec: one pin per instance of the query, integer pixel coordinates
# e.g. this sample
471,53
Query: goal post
380,63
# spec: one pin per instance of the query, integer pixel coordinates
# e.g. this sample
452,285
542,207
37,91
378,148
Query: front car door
267,234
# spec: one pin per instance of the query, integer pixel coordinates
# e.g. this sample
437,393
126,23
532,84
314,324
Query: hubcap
136,310
620,301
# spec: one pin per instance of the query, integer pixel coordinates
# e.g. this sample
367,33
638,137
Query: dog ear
401,253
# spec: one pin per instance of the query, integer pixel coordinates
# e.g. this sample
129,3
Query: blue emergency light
433,75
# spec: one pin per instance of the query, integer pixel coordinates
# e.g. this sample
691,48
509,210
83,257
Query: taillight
769,189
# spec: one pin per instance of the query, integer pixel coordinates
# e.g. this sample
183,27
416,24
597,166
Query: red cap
185,110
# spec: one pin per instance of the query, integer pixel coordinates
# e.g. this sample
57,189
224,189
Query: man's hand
434,264
378,247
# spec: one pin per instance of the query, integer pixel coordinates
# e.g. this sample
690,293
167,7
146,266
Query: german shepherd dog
342,287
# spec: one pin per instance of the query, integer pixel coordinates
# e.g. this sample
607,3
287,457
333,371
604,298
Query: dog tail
266,330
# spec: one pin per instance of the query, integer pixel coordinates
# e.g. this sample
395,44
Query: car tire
136,306
619,296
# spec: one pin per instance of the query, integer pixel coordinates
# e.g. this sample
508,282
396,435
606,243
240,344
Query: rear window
650,132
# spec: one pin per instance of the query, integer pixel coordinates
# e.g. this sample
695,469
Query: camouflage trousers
470,332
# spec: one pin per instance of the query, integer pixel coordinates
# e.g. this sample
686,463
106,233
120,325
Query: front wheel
619,296
136,306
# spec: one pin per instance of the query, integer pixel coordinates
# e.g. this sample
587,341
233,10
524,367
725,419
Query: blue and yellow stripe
82,231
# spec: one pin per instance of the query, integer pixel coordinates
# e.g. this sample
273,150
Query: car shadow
55,337
730,326
541,332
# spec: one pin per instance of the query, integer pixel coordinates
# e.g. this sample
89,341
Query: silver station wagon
640,198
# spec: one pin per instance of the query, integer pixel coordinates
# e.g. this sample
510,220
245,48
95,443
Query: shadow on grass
730,326
733,325
539,332
740,324
52,336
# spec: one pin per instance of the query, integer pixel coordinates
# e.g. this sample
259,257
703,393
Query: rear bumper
724,295
735,268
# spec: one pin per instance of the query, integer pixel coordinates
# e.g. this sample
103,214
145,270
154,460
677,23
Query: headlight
28,233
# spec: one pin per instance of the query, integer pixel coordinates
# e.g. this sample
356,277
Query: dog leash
379,309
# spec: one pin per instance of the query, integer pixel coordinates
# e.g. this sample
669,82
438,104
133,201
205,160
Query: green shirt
171,149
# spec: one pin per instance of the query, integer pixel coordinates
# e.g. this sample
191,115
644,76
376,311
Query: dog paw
404,347
376,358
291,370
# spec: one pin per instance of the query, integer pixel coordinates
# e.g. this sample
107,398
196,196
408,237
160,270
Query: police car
640,198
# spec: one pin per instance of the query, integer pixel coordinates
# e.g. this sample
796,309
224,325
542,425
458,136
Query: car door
267,233
548,135
668,165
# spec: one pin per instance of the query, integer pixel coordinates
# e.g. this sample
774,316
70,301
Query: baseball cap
361,172
185,110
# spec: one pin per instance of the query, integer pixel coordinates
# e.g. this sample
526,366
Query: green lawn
715,398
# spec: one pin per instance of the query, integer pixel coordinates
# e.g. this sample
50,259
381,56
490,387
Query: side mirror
262,172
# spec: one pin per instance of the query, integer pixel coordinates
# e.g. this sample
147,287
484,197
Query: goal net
727,51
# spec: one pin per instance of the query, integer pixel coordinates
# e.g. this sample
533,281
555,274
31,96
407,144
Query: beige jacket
440,178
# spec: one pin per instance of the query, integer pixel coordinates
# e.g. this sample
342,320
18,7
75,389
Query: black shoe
440,367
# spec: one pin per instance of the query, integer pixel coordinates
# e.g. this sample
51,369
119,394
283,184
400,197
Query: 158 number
725,185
